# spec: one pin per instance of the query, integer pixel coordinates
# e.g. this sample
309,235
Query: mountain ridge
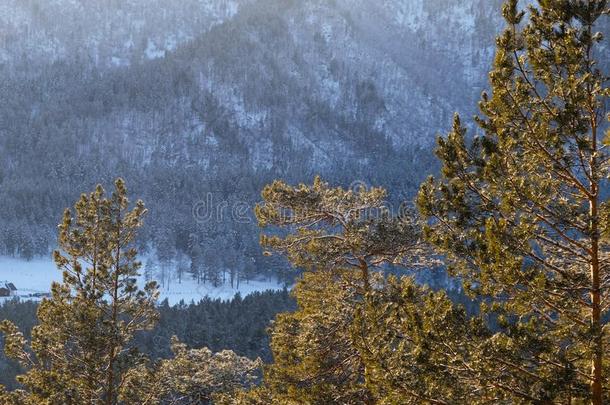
264,89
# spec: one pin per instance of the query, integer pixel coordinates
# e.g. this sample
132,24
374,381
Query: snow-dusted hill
197,98
187,99
109,33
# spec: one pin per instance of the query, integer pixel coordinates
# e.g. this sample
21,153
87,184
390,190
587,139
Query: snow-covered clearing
35,277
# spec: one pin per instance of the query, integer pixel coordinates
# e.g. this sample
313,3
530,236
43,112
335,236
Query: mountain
198,104
106,32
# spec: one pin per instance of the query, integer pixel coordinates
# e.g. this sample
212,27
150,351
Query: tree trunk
110,377
598,349
596,323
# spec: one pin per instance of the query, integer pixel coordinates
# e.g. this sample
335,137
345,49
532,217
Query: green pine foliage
420,347
415,344
79,351
520,212
82,350
337,228
191,376
359,336
344,238
315,358
239,324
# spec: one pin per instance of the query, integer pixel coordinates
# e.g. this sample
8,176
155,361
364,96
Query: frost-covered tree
337,228
191,376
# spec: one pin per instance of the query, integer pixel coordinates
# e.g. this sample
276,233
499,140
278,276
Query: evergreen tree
316,358
196,256
520,211
165,257
150,269
339,229
343,238
191,376
418,347
182,266
79,352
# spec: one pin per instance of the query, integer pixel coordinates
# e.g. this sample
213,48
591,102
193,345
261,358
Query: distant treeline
239,324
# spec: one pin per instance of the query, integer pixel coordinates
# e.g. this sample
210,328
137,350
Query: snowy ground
35,277
189,290
29,277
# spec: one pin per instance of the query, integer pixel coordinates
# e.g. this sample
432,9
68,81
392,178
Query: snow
152,52
35,277
189,290
29,277
116,61
416,15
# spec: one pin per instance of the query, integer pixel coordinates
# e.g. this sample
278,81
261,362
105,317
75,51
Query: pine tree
79,352
191,376
165,258
339,229
342,238
316,359
419,347
150,269
196,257
519,211
182,266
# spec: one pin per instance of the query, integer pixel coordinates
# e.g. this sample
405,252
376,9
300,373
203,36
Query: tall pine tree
343,238
520,211
80,350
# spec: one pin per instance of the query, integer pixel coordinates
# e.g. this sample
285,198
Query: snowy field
35,277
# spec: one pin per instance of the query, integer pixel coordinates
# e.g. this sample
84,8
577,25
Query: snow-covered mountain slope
195,97
109,33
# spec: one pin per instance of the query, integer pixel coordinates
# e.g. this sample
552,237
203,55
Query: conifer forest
304,202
